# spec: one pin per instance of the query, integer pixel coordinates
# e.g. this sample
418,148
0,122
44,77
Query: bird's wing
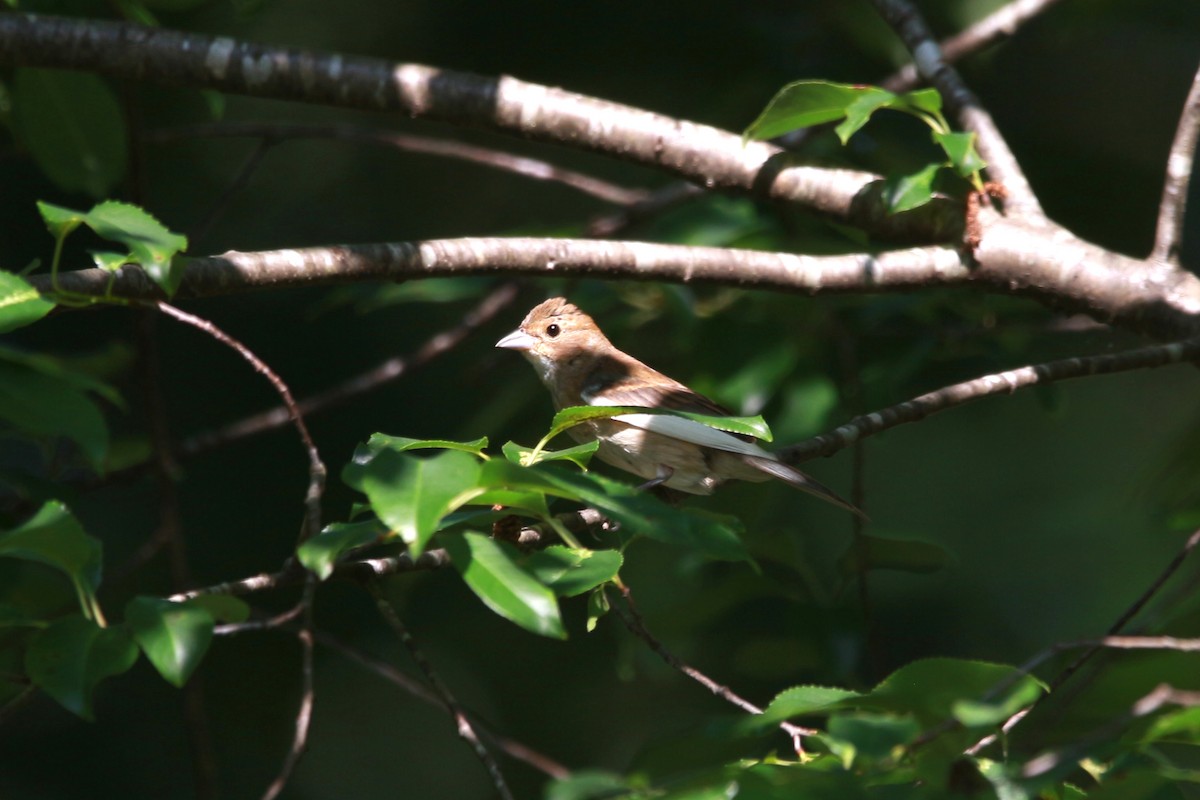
666,393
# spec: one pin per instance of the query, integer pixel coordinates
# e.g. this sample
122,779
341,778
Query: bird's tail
797,479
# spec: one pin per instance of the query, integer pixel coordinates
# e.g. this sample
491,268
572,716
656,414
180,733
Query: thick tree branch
704,155
1015,257
1180,161
933,67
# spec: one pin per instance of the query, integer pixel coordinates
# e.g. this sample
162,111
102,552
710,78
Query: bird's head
556,334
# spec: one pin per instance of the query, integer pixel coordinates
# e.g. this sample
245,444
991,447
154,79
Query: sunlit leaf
906,192
492,571
174,636
409,493
570,417
55,538
20,303
400,444
322,552
960,150
70,657
805,103
579,455
568,572
800,701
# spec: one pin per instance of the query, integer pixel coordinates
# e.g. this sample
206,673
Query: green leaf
411,494
805,103
580,455
975,713
401,444
109,262
800,701
568,572
151,244
59,221
928,101
906,192
870,100
20,303
174,636
903,555
39,403
586,784
55,538
873,736
321,553
960,150
72,125
931,688
597,607
70,657
570,417
492,571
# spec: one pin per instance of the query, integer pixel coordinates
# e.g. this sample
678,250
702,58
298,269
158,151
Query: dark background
1056,507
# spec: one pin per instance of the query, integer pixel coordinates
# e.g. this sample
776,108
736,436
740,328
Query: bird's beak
517,340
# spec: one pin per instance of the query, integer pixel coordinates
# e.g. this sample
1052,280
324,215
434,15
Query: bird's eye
553,330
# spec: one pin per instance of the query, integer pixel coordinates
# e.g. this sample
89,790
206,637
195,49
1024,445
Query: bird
581,367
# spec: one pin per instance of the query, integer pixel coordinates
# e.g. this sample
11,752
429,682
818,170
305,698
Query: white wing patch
694,432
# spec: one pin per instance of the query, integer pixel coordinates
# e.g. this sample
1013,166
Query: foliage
893,661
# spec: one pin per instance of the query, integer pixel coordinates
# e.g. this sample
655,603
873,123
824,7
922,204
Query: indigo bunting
580,366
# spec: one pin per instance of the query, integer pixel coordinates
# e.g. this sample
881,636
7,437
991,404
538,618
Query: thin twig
307,695
1168,238
534,168
316,469
637,626
437,345
463,724
1005,382
222,203
932,66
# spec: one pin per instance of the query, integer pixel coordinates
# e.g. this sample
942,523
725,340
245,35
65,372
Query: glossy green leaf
492,571
109,262
580,454
55,538
568,572
151,244
412,494
174,636
639,513
59,221
859,112
70,657
401,444
20,303
960,150
41,404
72,124
906,192
800,701
322,552
928,101
805,103
902,555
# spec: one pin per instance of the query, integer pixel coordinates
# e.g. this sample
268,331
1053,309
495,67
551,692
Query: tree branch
1168,237
704,155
